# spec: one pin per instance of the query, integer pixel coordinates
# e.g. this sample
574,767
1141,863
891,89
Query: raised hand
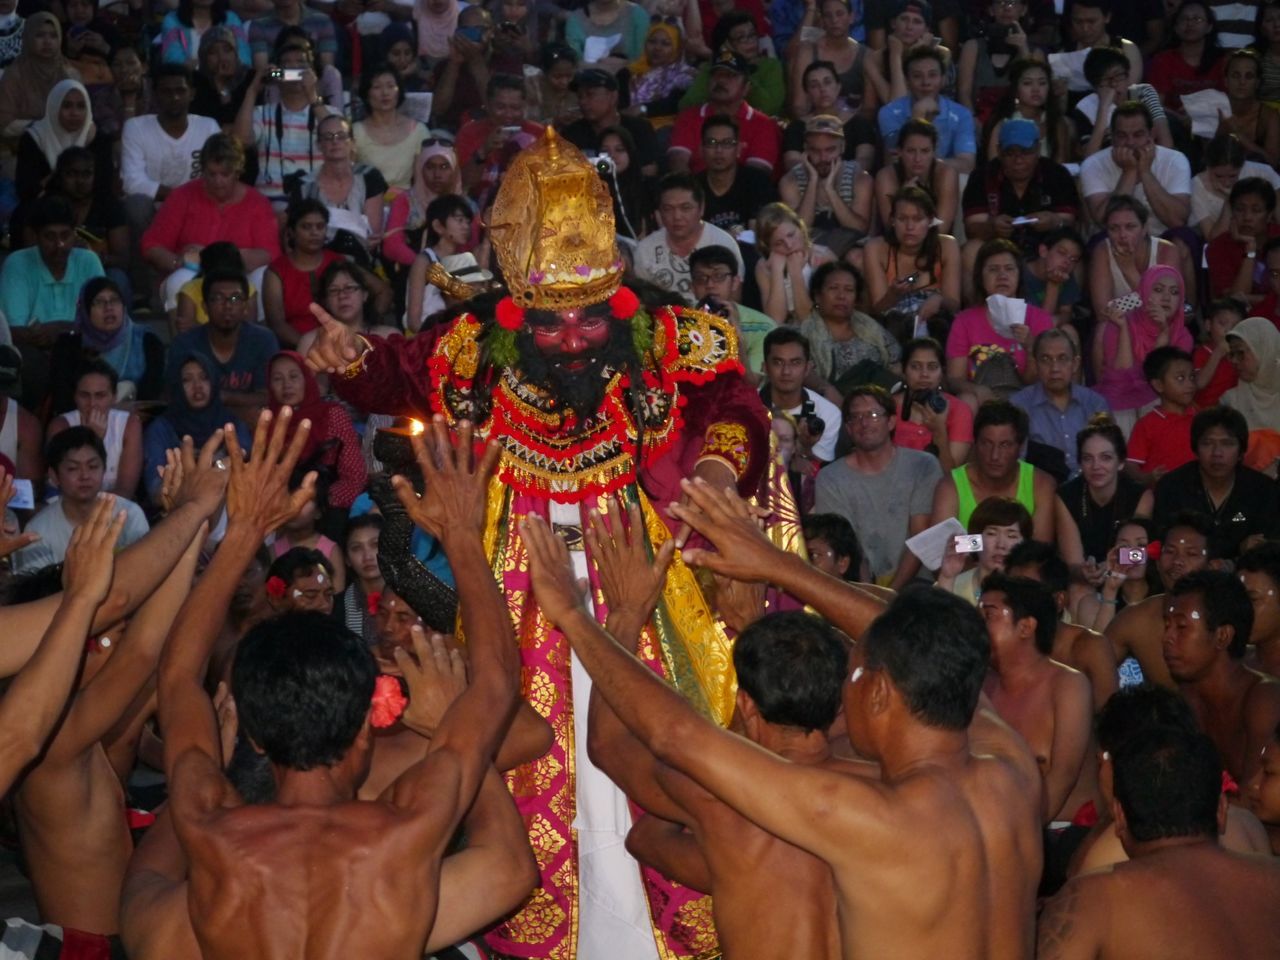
456,488
559,592
742,551
739,604
9,545
258,492
198,479
436,675
336,346
630,581
90,559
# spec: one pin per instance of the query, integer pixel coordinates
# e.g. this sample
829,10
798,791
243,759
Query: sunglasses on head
437,141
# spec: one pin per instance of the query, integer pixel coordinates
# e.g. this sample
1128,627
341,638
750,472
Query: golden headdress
552,228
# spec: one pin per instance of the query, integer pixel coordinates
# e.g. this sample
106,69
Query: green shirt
768,87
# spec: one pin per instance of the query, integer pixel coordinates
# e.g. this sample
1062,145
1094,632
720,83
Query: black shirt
1250,508
583,136
752,189
1097,524
1051,188
858,130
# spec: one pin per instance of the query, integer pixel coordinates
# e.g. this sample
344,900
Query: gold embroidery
728,442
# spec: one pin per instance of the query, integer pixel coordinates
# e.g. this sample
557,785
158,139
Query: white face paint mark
104,642
320,578
297,594
857,674
1195,614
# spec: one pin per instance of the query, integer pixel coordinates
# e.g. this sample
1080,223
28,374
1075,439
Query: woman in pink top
1122,342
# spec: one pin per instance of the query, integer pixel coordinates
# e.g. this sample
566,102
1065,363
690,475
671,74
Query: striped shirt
286,142
1235,23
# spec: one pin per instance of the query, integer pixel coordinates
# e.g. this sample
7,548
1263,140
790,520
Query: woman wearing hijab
1253,346
221,80
25,86
1125,339
437,20
195,409
660,76
435,174
67,122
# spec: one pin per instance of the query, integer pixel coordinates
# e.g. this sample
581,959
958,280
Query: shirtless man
300,579
319,874
1207,622
1086,650
1136,631
1262,793
903,888
1180,895
1047,702
1259,571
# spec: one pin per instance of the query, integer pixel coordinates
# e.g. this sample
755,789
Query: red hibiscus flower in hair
388,702
276,588
372,601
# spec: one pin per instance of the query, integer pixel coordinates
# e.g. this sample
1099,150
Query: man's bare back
1089,652
1136,632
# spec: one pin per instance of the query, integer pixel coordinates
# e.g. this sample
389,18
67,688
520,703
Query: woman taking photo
342,184
386,138
917,165
929,418
1090,504
787,261
913,271
287,286
1119,582
1029,95
843,342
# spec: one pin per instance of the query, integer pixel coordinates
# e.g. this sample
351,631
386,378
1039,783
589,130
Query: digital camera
1131,556
969,543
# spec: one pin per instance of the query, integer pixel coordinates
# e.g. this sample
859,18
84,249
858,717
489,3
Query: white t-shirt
825,448
655,262
1100,175
55,534
1207,205
150,158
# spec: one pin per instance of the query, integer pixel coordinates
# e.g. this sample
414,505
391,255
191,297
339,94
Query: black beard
581,390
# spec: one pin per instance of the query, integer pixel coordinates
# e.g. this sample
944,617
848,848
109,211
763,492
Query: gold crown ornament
552,228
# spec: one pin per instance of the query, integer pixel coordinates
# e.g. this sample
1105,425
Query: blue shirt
245,372
1058,428
955,126
29,294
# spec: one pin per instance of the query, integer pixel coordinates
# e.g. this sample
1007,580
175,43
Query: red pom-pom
276,588
510,316
1153,550
624,303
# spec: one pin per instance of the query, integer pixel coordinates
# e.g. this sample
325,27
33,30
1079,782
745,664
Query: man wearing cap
832,195
486,145
597,92
727,93
1018,196
925,69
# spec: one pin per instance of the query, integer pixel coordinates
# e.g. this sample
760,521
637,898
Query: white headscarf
1259,400
49,135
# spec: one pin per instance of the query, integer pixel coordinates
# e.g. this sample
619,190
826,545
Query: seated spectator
916,165
1134,165
597,92
1020,196
387,139
944,429
288,286
663,256
344,289
845,55
1214,377
1121,344
358,602
127,95
735,35
714,283
910,26
215,207
849,347
983,363
448,234
104,329
302,532
398,46
10,33
77,462
1269,306
459,73
860,138
983,73
219,257
182,30
995,470
729,85
1265,40
788,257
1108,72
551,102
1118,582
28,80
632,191
67,122
299,579
1029,96
1259,571
21,442
119,430
235,348
1192,61
1232,256
1253,346
161,151
221,80
1049,281
1091,504
833,546
1243,500
1118,264
332,446
195,410
1057,407
1003,523
1090,29
818,424
1224,166
486,146
957,144
1261,795
660,76
831,195
734,191
264,32
601,22
884,490
435,175
1255,123
913,271
1161,439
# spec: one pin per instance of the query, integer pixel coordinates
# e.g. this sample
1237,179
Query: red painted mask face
571,332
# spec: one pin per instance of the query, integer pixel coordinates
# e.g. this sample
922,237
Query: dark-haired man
1259,571
663,256
787,364
1180,894
1207,620
714,280
727,92
910,706
486,144
597,92
734,191
300,579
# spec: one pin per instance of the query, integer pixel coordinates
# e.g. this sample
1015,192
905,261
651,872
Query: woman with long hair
929,418
1267,36
1255,122
913,271
547,92
633,205
1029,95
182,30
917,165
1091,503
1192,59
1129,251
788,257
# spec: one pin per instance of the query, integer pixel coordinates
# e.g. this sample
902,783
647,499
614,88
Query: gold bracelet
356,366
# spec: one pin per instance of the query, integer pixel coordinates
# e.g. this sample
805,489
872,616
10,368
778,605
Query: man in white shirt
1135,165
77,462
786,365
663,256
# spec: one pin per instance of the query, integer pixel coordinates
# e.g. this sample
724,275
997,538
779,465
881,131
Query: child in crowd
1214,375
1161,439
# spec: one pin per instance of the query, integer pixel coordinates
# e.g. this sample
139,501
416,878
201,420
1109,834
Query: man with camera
786,366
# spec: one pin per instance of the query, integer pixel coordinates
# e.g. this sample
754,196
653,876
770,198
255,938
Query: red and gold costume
553,229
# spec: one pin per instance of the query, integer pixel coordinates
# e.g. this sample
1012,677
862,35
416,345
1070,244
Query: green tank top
965,503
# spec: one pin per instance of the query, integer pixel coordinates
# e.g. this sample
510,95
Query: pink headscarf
435,29
434,150
1143,330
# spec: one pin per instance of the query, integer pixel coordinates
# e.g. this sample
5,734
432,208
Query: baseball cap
1019,132
594,77
824,123
921,7
726,59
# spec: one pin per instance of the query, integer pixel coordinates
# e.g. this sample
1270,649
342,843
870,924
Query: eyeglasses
103,302
869,415
334,137
711,143
214,299
720,277
344,289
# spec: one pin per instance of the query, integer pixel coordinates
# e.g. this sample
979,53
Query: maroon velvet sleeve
394,378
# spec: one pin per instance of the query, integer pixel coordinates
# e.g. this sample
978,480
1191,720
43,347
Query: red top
1162,439
1224,255
190,216
298,287
1224,378
1172,77
758,132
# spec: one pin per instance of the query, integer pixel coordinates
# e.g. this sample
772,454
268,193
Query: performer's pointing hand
336,346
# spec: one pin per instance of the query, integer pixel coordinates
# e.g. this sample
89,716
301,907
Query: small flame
416,426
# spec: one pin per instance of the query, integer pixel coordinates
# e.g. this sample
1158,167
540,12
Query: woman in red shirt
288,288
1193,60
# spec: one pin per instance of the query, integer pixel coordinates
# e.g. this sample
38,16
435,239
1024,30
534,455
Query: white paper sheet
931,545
595,49
418,106
1204,108
1006,313
24,497
1069,66
341,218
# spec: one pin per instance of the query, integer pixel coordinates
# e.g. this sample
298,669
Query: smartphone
907,281
23,495
969,543
474,34
1130,301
